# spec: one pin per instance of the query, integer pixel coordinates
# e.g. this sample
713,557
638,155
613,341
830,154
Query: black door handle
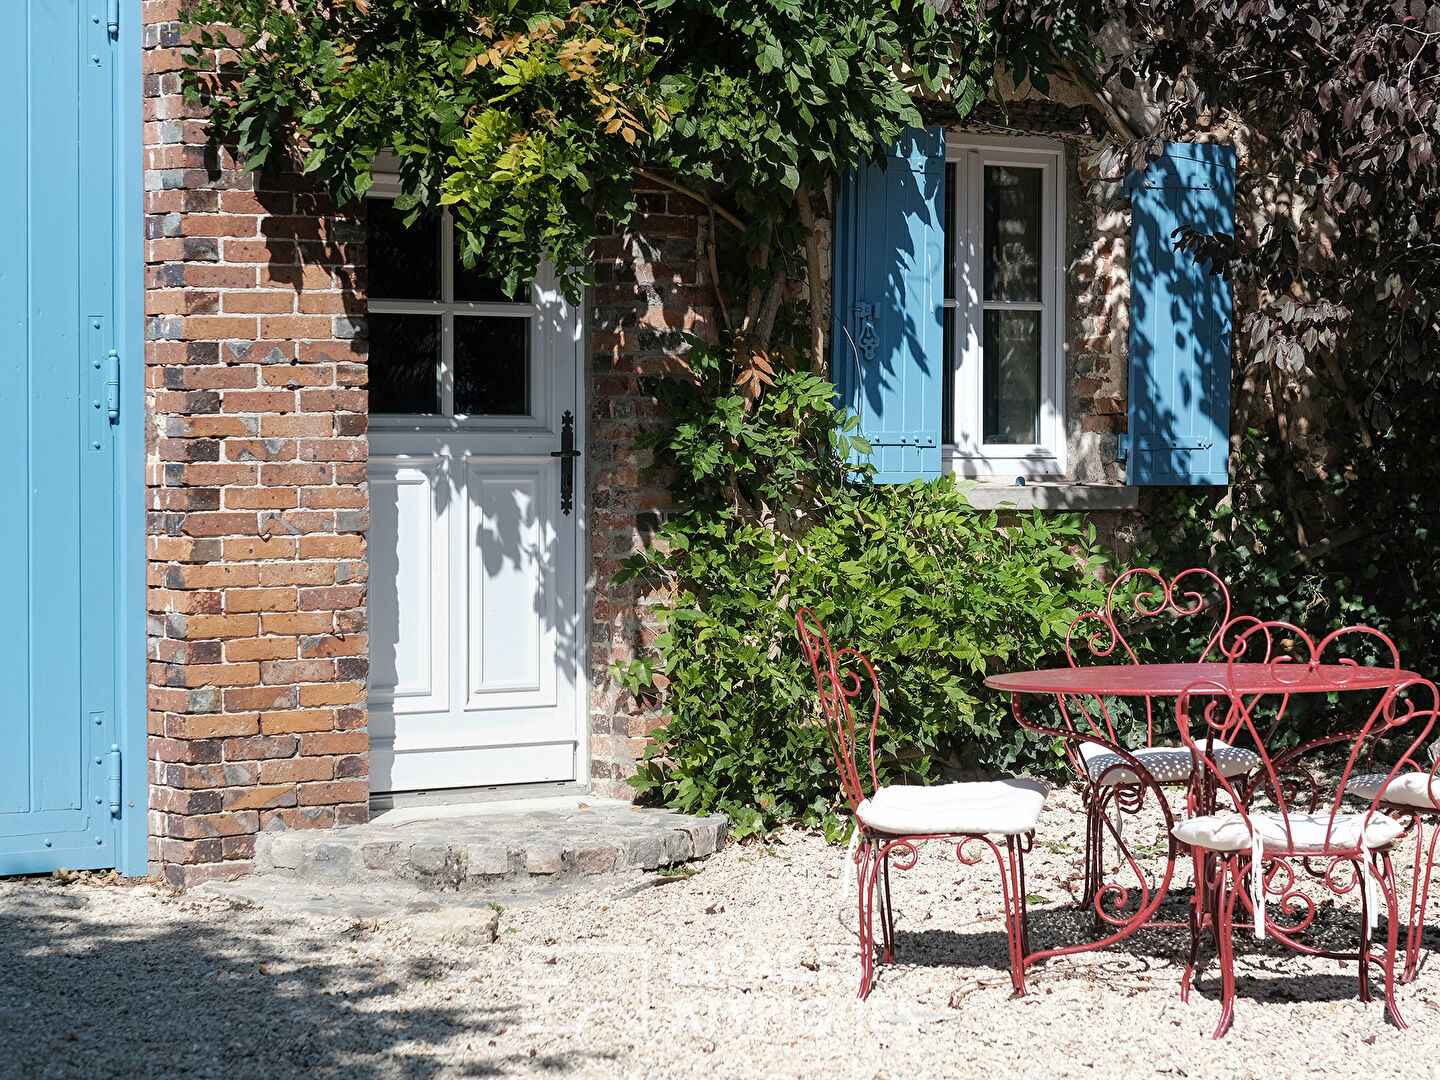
567,455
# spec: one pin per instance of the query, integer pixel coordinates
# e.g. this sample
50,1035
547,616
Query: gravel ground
742,970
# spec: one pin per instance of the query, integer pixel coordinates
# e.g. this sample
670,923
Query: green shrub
936,593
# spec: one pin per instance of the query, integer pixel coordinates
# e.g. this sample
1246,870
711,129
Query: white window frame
968,455
546,306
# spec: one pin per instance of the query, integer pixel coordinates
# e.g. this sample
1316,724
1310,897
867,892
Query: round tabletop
1172,680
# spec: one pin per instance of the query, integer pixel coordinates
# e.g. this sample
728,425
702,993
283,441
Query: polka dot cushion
1167,764
1408,789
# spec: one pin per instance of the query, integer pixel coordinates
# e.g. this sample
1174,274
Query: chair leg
887,913
1024,907
1199,907
1386,874
1362,870
1094,844
866,857
1012,895
1226,896
1419,895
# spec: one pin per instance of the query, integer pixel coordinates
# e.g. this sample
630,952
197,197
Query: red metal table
1075,688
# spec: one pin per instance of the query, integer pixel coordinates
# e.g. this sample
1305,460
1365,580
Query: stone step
495,846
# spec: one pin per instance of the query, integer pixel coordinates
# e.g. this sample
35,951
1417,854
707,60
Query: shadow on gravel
1264,970
184,998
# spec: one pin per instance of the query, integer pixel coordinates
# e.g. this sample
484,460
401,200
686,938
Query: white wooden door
475,604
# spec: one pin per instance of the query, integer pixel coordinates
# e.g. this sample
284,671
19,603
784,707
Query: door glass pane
1012,376
472,286
405,364
949,199
947,381
404,263
492,366
1012,233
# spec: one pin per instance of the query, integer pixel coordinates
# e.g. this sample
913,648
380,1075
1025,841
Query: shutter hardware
112,779
868,340
904,440
1158,442
112,386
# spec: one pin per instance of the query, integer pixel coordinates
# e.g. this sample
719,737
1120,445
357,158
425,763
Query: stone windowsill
1049,495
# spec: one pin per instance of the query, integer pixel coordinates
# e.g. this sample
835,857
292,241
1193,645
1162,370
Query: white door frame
560,344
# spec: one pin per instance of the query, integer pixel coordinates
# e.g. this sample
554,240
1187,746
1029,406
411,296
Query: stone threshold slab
496,847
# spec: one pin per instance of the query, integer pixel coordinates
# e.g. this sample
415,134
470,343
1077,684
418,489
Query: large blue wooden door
60,344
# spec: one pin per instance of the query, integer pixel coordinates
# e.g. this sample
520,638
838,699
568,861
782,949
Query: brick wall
256,455
1098,316
257,501
652,287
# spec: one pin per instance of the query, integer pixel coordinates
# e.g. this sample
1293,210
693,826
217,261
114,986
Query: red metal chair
892,820
1413,796
1287,822
1110,786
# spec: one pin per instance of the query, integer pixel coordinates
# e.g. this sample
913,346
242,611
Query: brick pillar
258,506
652,286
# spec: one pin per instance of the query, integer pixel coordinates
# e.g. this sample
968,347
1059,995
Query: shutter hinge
112,779
1163,442
112,19
1122,448
904,440
868,339
112,386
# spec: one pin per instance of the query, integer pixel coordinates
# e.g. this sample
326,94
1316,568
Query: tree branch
814,276
765,323
689,193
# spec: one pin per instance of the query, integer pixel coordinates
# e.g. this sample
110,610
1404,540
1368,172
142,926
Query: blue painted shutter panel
58,530
1179,321
889,304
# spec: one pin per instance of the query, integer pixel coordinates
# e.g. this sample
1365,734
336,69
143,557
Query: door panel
409,661
58,574
511,582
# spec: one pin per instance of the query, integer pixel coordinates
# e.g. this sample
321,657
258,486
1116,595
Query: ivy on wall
531,120
1335,497
936,593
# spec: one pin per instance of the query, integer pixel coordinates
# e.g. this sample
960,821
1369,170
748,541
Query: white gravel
742,970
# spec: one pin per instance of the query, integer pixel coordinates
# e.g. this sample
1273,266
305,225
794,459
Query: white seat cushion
1227,832
1407,789
1167,764
988,807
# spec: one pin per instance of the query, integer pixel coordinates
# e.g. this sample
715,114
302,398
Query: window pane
492,366
472,286
404,263
950,194
947,381
1012,233
1012,376
405,364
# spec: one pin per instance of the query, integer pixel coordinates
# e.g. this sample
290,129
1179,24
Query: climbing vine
1332,513
531,120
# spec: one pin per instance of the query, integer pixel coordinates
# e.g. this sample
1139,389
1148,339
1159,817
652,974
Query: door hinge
112,779
112,386
112,19
1122,448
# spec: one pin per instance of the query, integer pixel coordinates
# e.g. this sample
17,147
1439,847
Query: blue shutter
60,728
889,300
1179,321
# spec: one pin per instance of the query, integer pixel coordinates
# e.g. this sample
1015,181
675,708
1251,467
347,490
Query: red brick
334,742
295,770
297,720
334,791
264,648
